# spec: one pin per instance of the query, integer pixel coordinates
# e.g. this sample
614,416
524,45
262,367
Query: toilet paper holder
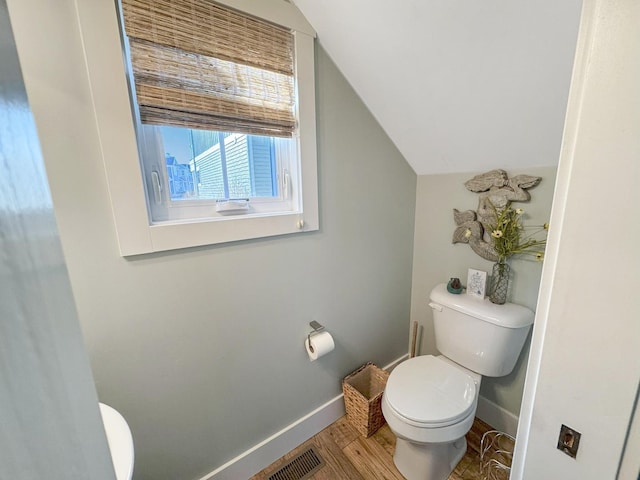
317,328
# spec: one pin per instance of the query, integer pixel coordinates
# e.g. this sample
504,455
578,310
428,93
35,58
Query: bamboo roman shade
200,65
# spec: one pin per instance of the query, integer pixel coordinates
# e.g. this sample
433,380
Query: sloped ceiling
458,85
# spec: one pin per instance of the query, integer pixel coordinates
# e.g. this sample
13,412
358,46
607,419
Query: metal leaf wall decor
494,187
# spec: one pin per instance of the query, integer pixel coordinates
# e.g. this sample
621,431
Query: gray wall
202,350
49,417
436,260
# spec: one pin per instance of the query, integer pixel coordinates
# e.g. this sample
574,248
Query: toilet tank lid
509,315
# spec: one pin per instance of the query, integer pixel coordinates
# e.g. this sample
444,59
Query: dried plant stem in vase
509,238
499,285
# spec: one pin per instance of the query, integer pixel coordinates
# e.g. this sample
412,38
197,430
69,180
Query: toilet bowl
120,441
430,404
430,401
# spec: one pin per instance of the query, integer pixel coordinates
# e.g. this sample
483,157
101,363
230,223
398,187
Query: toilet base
428,461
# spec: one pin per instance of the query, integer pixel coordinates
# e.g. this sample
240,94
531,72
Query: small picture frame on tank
476,283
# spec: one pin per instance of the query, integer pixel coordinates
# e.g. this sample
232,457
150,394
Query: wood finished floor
350,456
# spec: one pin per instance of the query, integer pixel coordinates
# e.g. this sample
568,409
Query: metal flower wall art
496,192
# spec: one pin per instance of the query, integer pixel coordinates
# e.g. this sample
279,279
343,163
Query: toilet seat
428,392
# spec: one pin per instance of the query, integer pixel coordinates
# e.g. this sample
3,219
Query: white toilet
120,441
430,402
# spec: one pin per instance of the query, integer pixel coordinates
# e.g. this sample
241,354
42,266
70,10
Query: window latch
286,184
157,187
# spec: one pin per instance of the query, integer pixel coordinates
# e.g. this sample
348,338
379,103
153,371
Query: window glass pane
210,165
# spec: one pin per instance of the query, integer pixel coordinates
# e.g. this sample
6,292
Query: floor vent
300,467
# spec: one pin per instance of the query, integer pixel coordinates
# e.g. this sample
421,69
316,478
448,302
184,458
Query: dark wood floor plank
334,456
474,436
472,472
372,460
386,439
342,432
462,465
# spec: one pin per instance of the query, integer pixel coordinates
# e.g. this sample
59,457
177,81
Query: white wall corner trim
603,102
497,416
269,450
563,179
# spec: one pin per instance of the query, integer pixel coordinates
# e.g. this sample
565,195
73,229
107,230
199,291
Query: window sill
175,235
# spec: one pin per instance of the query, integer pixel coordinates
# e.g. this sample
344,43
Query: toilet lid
430,391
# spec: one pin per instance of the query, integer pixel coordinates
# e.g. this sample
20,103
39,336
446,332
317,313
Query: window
219,165
194,173
215,102
209,135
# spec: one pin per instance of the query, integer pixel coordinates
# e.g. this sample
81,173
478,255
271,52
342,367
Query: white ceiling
458,85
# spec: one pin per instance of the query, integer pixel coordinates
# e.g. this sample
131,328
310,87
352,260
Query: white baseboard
269,450
496,416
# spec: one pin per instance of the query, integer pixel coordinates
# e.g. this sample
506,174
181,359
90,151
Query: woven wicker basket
363,396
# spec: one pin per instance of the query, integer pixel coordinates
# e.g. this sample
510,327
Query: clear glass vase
499,283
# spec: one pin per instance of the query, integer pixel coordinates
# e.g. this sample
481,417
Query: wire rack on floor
496,454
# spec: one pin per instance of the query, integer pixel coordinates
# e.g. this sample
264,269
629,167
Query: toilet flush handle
436,306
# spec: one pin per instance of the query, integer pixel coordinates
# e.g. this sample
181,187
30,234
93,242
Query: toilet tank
477,334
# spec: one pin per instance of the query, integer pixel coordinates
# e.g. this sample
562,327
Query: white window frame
287,200
110,93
